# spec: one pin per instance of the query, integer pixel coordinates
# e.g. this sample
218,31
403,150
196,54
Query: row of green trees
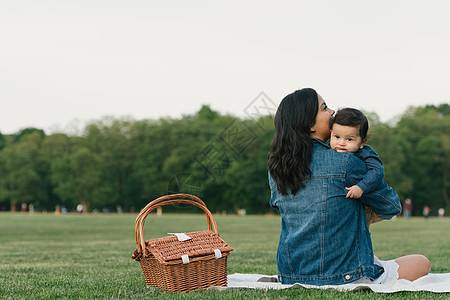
221,158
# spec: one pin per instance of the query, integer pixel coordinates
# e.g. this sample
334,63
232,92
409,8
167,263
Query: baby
349,134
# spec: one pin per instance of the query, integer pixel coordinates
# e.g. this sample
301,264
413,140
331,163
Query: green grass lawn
43,256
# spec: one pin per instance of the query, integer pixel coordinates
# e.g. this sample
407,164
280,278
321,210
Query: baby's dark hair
351,117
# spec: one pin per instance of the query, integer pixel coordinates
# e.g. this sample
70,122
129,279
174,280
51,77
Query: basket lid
202,243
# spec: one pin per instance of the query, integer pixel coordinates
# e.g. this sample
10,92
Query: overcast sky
68,62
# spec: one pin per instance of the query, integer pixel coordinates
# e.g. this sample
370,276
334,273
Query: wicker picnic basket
179,266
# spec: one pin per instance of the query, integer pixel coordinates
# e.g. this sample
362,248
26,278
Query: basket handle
167,200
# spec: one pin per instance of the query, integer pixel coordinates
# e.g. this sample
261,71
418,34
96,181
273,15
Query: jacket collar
319,141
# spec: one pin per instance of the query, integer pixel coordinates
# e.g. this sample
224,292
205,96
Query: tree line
222,159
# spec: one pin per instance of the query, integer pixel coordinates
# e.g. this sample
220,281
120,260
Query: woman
324,235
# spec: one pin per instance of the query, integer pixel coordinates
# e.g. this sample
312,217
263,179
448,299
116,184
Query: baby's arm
374,175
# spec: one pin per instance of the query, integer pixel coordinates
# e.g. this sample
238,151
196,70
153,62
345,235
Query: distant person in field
407,208
349,129
324,235
426,211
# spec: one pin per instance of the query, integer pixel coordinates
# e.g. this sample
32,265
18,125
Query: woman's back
324,237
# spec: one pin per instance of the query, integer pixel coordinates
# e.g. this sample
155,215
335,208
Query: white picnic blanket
437,283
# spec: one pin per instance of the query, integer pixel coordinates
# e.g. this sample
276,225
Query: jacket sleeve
273,193
383,199
375,169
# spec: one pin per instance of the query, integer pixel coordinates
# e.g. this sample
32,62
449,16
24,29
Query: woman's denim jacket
324,236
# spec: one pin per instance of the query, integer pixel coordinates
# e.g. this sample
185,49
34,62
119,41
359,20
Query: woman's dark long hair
291,147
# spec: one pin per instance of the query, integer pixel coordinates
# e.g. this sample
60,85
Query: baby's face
345,138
